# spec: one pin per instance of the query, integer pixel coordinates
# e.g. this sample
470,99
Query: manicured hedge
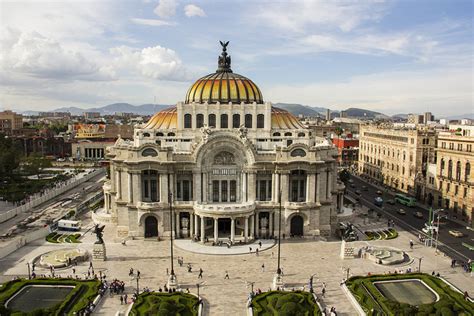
374,303
285,304
84,292
381,234
165,304
63,238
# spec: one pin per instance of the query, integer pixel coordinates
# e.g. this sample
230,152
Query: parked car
401,211
391,202
418,214
358,192
379,192
378,201
428,228
456,233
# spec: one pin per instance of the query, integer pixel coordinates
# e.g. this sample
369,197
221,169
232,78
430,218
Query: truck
65,224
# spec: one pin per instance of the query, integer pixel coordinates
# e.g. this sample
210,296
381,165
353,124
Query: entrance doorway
151,227
224,226
296,228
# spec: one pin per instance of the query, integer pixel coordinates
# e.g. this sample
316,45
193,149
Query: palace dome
224,86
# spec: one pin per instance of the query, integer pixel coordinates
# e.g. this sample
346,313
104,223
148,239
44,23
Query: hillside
363,113
144,109
299,109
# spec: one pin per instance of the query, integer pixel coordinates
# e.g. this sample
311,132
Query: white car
456,233
427,229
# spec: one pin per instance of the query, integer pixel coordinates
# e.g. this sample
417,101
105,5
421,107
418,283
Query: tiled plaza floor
300,259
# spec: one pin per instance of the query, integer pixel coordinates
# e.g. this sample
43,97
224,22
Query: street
449,244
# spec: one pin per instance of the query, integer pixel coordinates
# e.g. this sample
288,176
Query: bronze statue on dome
224,60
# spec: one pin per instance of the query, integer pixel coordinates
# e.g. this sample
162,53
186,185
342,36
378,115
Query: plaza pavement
300,259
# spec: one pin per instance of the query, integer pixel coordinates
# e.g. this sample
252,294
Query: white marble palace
224,160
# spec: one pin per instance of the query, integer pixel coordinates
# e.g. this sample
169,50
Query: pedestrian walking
226,275
250,249
411,244
121,300
73,271
260,244
138,274
323,291
263,267
256,252
90,265
125,299
200,273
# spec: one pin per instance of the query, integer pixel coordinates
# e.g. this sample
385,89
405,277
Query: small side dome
165,119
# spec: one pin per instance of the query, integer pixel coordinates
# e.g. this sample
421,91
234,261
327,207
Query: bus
405,200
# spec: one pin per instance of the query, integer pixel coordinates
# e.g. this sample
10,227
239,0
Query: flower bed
285,304
381,234
83,293
57,238
373,302
164,304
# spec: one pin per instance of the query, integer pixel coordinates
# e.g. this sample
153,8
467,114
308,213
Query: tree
34,164
9,156
344,175
338,131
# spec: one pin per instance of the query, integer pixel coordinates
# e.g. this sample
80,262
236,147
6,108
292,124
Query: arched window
298,153
149,152
248,120
288,134
171,134
144,135
199,121
187,120
458,171
441,165
467,172
212,120
301,134
224,121
159,134
450,169
260,121
236,121
276,134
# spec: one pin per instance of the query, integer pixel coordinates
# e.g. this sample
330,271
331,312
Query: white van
64,224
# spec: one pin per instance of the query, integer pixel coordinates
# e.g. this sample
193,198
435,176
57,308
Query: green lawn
165,304
373,302
84,292
283,303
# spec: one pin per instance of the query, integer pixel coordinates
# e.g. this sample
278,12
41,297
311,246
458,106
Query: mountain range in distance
295,109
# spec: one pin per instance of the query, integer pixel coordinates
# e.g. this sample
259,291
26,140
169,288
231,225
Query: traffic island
48,296
284,303
407,294
166,304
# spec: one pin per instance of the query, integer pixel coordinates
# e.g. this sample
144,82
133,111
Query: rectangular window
465,192
302,191
224,191
146,194
263,190
294,191
448,186
469,148
179,196
233,190
154,191
186,190
456,188
215,191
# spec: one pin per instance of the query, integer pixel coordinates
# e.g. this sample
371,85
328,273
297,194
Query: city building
428,117
397,158
328,115
91,115
348,150
455,173
343,114
224,160
415,119
10,122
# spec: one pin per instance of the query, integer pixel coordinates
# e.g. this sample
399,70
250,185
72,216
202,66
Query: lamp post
138,287
437,232
279,232
197,285
172,278
419,264
29,271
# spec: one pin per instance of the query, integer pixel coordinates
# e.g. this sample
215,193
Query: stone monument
98,252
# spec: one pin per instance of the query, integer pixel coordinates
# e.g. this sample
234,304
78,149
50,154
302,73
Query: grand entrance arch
296,226
151,227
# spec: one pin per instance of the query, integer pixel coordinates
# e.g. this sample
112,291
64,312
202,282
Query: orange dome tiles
224,87
282,119
165,119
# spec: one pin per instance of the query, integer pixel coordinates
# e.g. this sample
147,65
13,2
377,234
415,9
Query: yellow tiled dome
224,86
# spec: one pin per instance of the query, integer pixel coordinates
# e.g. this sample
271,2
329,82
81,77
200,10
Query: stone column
310,187
216,231
196,225
252,226
251,186
329,184
203,229
204,188
232,230
257,225
246,229
270,219
163,187
276,188
106,202
171,185
197,186
191,225
284,188
318,187
177,226
244,187
119,185
130,187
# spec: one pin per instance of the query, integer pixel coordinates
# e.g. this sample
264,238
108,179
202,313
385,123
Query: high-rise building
328,115
397,157
428,117
10,121
415,119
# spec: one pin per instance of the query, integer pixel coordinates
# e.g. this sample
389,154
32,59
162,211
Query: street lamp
138,287
419,264
279,232
431,223
172,277
29,271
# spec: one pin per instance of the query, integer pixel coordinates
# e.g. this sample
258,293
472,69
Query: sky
389,56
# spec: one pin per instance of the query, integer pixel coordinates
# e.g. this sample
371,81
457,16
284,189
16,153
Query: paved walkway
207,249
299,260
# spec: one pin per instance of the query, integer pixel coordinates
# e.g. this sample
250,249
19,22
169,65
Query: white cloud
298,15
34,55
166,8
152,22
441,91
193,10
154,62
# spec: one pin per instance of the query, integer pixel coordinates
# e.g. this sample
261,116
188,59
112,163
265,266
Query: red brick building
348,149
